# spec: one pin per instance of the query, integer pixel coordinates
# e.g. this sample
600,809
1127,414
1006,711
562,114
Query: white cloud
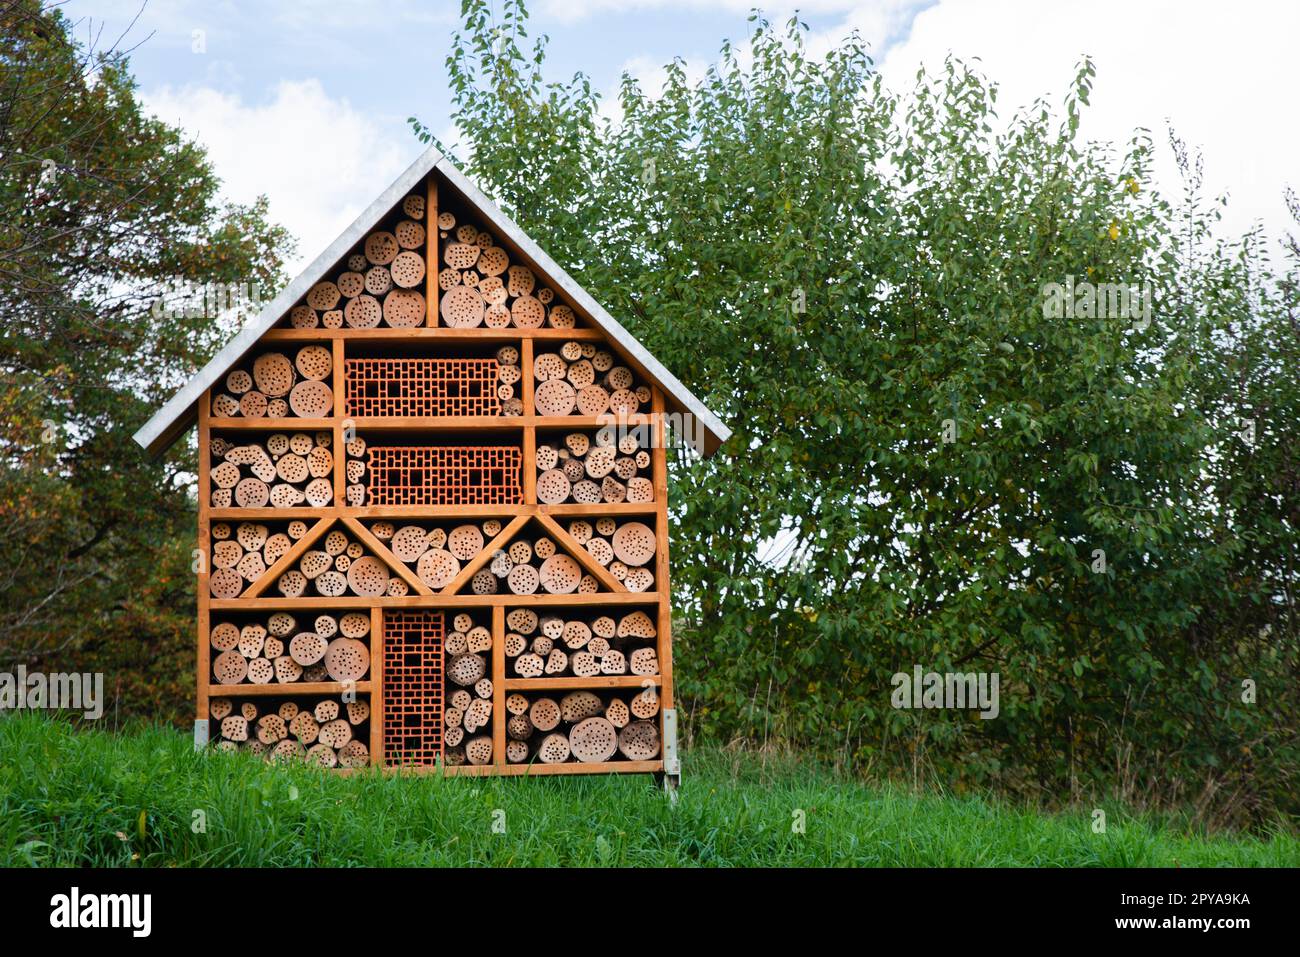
571,11
1220,74
318,159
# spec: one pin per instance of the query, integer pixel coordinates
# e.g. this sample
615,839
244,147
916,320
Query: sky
307,101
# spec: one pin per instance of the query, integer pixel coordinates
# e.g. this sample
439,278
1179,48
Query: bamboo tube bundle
275,650
323,731
610,465
481,285
467,735
377,283
280,470
276,386
545,643
583,726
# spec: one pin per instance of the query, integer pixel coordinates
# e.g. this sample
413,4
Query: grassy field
71,797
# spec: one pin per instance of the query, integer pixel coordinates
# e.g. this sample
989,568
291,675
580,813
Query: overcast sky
307,101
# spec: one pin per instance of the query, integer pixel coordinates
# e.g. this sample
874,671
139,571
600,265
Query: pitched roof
179,412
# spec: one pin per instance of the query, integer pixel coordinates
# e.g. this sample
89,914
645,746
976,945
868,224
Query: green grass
75,797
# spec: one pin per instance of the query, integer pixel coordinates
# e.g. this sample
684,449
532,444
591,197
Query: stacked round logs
281,471
584,380
274,386
467,715
436,554
548,645
608,466
528,565
582,726
509,375
355,471
337,566
243,553
275,650
625,548
378,284
329,732
480,287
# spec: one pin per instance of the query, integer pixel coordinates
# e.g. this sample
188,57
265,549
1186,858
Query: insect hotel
432,508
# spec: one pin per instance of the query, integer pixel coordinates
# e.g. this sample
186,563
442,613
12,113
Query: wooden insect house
432,508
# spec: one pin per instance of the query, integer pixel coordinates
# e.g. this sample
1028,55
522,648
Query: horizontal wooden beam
598,681
435,332
597,600
536,769
288,689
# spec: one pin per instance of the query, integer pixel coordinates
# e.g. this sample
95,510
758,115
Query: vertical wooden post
526,367
377,687
530,429
205,555
659,460
431,252
498,684
340,410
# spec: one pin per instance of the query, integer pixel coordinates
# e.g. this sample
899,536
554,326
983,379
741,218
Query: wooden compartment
328,730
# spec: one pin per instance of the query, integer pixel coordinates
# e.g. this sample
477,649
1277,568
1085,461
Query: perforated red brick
421,387
413,687
444,475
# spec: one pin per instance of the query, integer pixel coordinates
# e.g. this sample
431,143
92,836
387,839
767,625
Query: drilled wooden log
579,705
584,664
304,727
554,749
636,625
271,728
644,661
287,670
645,705
234,728
466,669
519,727
516,751
639,741
617,713
576,635
347,659
354,625
593,740
529,666
336,733
544,713
354,754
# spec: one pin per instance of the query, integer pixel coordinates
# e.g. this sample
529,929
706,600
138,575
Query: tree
102,210
929,466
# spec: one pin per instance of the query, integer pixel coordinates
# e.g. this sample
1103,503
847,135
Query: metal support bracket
672,761
200,734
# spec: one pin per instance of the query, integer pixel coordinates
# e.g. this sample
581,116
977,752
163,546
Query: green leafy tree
102,208
928,466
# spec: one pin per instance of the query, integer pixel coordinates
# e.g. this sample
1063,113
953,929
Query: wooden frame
341,515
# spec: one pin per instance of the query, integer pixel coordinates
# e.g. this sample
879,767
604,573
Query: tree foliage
844,272
101,208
